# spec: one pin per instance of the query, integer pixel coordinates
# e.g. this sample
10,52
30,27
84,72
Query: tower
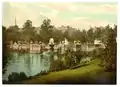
15,21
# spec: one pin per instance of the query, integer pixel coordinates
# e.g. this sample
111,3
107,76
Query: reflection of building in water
28,63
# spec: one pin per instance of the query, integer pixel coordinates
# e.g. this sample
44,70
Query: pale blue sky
78,15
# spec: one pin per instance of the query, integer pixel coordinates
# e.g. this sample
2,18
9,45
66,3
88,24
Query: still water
30,64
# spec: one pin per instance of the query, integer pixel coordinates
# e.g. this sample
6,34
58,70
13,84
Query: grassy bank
89,74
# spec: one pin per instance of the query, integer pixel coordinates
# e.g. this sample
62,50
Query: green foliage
90,35
28,32
27,24
14,77
109,54
47,29
57,35
83,38
12,33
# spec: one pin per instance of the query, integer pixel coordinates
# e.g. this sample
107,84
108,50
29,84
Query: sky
75,14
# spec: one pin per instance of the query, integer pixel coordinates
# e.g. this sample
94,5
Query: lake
30,64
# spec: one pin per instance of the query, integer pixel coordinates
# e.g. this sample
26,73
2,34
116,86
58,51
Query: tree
66,34
28,32
46,25
98,33
110,51
46,32
12,33
5,49
76,35
3,28
4,33
105,33
83,36
57,35
27,24
90,35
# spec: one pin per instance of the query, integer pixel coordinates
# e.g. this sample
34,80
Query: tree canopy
47,30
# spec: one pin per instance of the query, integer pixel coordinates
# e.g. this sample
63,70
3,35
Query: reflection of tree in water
12,57
27,60
41,57
7,56
51,55
36,62
46,62
53,60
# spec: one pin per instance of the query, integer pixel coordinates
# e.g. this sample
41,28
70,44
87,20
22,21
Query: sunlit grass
91,72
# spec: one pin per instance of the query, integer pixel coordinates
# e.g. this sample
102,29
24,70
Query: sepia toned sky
75,14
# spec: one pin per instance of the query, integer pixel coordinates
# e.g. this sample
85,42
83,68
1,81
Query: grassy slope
87,74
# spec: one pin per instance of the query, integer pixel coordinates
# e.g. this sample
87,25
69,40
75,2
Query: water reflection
30,64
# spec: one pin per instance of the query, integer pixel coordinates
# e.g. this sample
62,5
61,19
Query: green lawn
89,74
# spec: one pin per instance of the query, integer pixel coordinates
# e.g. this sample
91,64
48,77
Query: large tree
90,35
27,24
46,30
110,51
12,33
28,32
83,36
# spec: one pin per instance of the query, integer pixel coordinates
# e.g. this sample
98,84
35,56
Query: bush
17,76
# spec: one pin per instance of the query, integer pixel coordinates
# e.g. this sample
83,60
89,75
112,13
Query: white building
98,42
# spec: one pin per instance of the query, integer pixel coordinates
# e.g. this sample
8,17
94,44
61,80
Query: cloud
96,7
78,15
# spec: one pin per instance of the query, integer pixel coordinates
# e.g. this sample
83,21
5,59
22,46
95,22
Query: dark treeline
43,33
